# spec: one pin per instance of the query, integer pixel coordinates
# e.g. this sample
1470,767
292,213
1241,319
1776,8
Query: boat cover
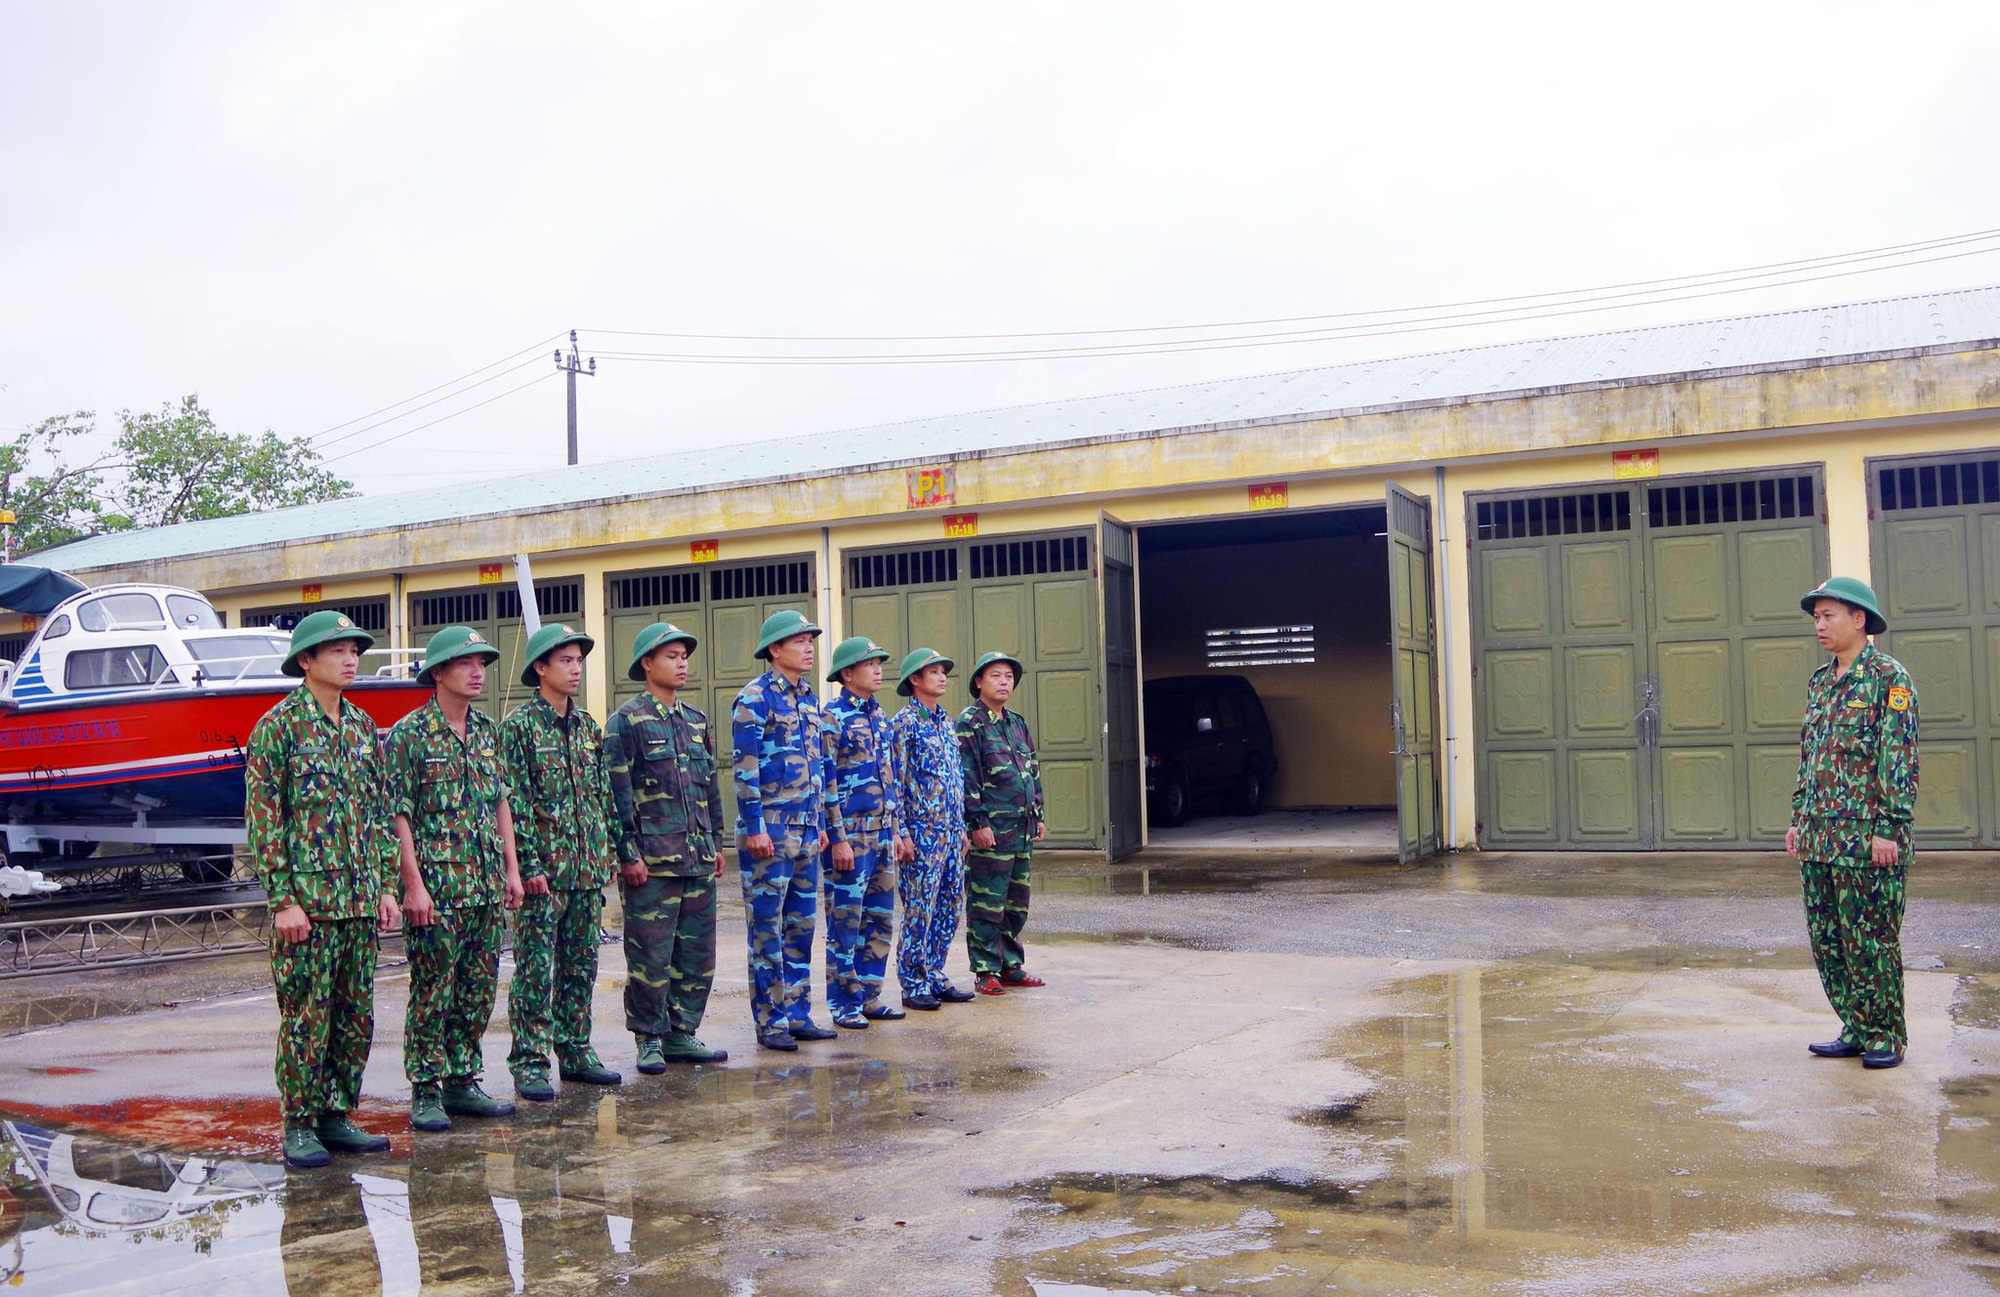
35,590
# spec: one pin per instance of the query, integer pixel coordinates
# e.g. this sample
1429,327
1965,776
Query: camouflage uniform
668,803
1857,781
561,801
861,811
1003,792
321,839
450,789
780,769
927,778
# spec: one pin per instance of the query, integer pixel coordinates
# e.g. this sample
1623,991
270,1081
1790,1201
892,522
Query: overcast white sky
305,212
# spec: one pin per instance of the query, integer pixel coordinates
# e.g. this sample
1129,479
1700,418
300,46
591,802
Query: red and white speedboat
126,717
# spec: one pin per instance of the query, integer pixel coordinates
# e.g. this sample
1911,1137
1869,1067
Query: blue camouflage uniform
780,771
927,779
860,903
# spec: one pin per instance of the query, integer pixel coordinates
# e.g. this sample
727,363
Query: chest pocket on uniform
1853,731
314,778
439,786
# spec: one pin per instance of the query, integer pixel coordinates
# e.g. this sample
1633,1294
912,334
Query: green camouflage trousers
454,979
555,971
326,1016
996,908
669,953
1854,917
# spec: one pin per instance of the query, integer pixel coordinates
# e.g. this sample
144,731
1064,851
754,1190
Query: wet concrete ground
1249,1072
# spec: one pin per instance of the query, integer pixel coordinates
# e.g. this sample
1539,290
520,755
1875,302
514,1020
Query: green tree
52,485
177,466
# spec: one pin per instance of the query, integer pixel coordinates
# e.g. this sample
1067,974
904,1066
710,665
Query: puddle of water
1524,1136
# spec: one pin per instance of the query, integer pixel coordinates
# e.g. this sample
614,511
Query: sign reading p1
958,526
1271,495
704,551
489,574
1635,463
933,487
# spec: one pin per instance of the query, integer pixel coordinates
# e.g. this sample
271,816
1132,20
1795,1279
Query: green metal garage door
1034,597
1935,545
723,605
495,612
1640,660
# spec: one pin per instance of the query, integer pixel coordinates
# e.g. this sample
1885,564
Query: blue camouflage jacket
926,769
860,800
780,757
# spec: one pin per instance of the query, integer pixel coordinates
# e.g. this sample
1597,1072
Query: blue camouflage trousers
780,895
860,920
932,887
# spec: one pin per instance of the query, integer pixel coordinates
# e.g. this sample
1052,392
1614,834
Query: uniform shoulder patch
1899,698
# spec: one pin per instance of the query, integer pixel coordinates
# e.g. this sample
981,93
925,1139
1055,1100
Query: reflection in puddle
645,1189
1524,1137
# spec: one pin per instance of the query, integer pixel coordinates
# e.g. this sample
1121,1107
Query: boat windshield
235,657
121,612
192,613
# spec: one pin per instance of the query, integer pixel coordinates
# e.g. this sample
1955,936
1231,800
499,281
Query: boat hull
178,754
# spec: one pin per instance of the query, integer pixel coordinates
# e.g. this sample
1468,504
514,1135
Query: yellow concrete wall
1329,720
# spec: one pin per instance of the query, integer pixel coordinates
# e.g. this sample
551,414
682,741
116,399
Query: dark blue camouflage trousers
780,899
933,888
860,921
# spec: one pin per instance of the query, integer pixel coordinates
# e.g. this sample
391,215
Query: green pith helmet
1853,593
852,652
782,626
451,643
917,660
660,632
323,627
546,641
987,660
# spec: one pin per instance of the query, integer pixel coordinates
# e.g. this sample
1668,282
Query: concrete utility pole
573,366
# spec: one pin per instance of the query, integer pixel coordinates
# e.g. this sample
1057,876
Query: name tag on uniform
436,761
1861,704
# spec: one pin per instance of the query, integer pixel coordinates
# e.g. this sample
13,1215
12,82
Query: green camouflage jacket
1857,759
561,795
451,789
1003,780
319,820
666,791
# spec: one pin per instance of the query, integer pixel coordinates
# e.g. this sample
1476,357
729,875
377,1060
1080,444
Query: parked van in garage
1206,737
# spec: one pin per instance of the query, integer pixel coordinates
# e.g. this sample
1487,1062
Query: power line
1764,270
440,387
383,423
397,436
1237,342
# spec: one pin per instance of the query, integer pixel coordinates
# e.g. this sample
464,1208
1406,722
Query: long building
1539,595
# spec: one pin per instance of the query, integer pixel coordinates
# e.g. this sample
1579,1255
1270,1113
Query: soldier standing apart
1851,821
320,837
781,809
667,795
448,788
861,822
561,807
927,776
1003,811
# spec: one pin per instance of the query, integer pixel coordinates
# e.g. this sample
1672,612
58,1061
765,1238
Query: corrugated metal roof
1780,337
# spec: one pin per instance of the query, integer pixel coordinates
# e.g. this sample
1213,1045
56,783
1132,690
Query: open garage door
1413,696
1640,661
495,612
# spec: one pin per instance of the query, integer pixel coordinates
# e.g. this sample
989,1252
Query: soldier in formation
927,779
860,865
1003,813
1851,822
319,834
780,768
448,788
666,792
560,800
